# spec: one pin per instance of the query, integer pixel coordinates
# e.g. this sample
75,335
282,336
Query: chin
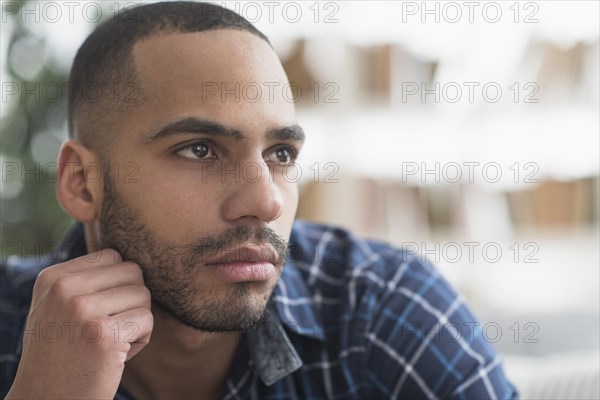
235,309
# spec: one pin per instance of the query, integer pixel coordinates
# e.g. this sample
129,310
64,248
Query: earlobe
79,183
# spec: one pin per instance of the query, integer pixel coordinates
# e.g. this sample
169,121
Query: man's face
201,200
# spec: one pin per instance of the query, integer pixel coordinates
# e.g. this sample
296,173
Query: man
189,277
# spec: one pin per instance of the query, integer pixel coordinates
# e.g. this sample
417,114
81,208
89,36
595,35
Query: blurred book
556,204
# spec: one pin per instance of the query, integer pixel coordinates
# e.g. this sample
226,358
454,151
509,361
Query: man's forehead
231,77
221,53
219,66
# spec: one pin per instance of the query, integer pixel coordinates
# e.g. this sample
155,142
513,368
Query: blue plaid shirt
349,319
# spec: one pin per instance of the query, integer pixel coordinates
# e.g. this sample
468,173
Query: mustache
210,246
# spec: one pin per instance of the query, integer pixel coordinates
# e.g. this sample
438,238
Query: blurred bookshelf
385,149
362,152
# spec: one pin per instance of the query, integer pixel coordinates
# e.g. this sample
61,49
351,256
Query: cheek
173,205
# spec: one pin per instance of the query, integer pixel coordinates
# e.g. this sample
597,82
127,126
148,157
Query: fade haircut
103,83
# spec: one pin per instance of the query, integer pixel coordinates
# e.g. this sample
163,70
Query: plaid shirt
349,319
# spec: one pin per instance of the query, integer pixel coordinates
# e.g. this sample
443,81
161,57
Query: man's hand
88,316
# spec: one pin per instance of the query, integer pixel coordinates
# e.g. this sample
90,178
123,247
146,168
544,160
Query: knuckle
79,306
47,275
99,333
62,285
44,275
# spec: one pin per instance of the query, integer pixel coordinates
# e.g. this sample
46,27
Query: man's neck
181,362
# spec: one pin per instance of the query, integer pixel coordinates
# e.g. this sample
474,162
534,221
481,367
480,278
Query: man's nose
255,194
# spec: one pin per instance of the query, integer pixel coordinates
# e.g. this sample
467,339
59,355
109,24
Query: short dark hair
104,62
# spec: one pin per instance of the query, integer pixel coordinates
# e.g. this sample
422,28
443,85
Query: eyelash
211,146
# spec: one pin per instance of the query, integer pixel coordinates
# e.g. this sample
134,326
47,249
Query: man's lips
246,253
247,263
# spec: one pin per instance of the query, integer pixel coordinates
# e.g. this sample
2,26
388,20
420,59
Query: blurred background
466,131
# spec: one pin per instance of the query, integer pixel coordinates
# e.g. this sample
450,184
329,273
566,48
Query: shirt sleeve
423,341
16,285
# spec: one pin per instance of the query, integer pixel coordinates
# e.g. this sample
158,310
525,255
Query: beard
171,269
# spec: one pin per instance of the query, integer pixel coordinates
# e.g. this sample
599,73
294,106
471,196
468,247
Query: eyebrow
293,132
191,125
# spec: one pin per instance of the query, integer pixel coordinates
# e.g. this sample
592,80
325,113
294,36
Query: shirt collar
273,353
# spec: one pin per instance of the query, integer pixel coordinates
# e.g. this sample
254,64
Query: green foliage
32,127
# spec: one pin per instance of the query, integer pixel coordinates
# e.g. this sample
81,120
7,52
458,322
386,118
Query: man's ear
79,181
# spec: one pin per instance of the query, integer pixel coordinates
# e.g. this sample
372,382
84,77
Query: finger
102,257
93,280
110,302
135,328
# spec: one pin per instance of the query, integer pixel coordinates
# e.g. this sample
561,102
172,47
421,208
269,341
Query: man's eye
198,151
282,156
